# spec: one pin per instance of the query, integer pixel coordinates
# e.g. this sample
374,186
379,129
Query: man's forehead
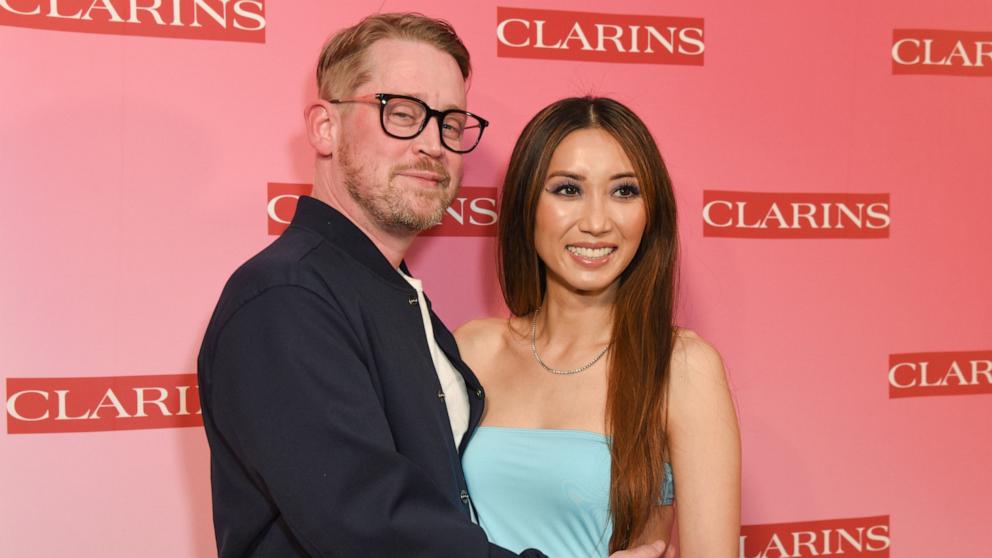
415,69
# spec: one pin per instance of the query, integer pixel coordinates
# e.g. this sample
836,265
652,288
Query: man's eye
451,130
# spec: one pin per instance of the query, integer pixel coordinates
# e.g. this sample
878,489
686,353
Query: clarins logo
596,37
795,215
947,373
221,20
940,52
39,405
866,537
472,213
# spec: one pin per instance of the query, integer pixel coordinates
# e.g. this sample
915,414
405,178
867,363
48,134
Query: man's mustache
429,166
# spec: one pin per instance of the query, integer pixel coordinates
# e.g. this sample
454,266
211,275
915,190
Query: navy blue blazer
326,422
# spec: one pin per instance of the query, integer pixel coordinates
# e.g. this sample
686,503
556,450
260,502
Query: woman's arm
659,526
704,441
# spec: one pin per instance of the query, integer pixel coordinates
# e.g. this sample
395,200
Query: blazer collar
330,223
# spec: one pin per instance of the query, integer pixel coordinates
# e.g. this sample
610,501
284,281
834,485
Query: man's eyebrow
421,97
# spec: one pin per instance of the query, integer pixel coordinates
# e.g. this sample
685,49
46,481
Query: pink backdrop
135,172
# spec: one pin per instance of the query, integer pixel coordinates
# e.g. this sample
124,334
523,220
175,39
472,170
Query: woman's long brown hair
643,322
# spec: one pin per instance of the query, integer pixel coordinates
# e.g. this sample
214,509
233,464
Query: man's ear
323,124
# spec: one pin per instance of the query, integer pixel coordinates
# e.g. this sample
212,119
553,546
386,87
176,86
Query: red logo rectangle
597,37
940,52
946,373
281,205
472,213
852,538
795,215
218,20
95,404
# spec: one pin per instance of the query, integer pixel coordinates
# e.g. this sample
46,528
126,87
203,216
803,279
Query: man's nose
429,140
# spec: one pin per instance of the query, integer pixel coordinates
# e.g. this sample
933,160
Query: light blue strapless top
545,489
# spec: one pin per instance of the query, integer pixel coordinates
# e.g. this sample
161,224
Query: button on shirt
453,390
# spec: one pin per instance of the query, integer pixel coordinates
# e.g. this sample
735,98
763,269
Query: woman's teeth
590,252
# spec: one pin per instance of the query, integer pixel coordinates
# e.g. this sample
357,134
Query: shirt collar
317,216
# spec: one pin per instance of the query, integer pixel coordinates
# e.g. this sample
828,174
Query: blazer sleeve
293,398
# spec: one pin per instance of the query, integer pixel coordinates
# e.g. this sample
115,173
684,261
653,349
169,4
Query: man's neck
392,245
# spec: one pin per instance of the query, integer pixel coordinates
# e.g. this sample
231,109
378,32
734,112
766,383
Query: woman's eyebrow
566,174
575,176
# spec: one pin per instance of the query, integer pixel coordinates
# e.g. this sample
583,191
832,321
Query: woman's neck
570,318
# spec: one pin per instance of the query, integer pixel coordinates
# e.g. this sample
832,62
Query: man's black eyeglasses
404,117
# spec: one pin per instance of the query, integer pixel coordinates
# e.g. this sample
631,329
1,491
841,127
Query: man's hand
653,550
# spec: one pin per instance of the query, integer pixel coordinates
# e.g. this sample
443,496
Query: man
334,400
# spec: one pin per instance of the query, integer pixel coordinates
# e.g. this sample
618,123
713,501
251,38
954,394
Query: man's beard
386,202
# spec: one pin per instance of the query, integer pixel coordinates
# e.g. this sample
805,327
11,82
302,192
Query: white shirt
452,383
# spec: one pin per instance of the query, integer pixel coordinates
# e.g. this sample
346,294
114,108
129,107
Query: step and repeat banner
832,168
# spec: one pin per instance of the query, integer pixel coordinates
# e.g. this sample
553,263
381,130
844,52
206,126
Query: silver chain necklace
537,357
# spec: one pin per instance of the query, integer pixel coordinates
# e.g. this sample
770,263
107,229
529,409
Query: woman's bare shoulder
480,337
699,392
695,359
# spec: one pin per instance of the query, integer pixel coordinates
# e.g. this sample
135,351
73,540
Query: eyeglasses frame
382,99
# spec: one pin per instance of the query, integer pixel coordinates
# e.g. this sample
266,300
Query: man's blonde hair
342,66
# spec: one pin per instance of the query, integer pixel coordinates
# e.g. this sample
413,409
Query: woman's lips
589,255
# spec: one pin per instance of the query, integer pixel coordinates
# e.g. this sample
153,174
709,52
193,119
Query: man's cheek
456,171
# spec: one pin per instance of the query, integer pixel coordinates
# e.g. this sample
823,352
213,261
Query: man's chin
410,222
426,213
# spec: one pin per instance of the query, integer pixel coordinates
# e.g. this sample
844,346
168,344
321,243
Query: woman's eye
566,190
627,191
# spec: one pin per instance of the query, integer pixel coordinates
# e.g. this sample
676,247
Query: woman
596,403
